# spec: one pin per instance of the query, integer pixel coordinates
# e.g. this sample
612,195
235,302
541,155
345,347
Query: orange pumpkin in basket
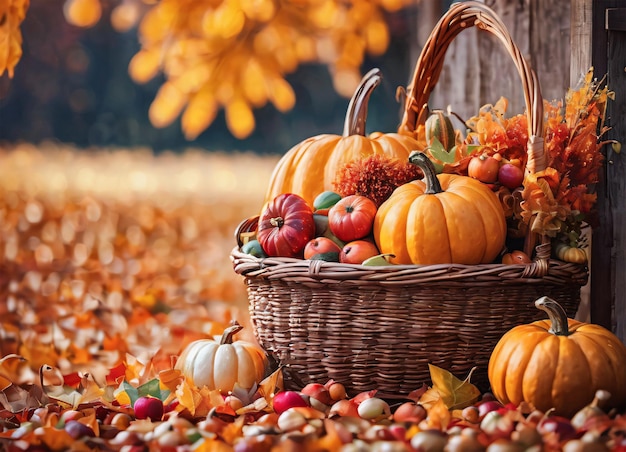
444,219
310,167
558,363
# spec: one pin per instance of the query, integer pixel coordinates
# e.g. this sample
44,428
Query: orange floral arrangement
556,201
375,176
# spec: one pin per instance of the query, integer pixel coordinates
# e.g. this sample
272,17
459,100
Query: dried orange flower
375,176
572,131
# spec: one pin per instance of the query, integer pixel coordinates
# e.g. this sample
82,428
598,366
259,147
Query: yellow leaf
187,397
194,78
377,37
167,105
282,94
145,65
82,13
429,398
253,83
259,10
393,5
346,80
456,394
305,48
12,14
325,15
157,24
199,114
121,396
239,118
439,416
170,379
226,21
125,16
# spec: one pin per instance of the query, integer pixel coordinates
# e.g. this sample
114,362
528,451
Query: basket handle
459,17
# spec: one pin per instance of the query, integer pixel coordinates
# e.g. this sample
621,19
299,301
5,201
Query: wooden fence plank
616,165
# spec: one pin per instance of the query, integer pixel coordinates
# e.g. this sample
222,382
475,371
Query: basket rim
302,270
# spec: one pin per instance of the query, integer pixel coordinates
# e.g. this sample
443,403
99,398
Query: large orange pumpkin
558,363
310,167
445,218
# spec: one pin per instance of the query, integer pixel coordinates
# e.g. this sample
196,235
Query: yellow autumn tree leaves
228,54
234,54
12,13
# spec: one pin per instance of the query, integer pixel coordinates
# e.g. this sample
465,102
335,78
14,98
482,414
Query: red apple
148,408
511,176
357,251
320,245
288,399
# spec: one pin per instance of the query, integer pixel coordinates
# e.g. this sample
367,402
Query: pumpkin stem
277,222
227,335
356,116
430,175
556,314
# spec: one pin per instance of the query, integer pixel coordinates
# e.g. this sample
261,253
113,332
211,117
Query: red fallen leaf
72,380
416,394
116,374
225,409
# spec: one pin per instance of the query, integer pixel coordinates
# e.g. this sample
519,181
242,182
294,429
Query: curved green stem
556,314
356,115
430,175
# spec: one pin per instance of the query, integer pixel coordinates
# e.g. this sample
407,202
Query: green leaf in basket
440,154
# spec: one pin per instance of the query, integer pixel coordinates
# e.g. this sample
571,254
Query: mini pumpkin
570,253
445,218
224,364
310,167
558,363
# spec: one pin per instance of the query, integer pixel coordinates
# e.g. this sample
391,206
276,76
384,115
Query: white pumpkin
221,365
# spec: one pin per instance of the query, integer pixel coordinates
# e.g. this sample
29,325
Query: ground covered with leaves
113,261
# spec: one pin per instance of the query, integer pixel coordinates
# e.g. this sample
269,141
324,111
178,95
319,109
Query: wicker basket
379,327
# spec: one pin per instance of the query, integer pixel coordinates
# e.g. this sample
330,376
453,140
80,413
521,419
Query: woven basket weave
379,327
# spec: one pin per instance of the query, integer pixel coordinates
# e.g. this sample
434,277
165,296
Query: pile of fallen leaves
113,261
116,256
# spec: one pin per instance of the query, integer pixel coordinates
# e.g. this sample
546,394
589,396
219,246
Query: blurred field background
110,252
